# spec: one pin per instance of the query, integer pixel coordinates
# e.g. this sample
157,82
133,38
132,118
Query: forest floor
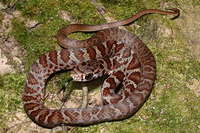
28,29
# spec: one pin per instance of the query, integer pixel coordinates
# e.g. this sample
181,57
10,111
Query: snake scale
111,51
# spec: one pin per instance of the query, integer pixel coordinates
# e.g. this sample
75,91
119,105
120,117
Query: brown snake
115,52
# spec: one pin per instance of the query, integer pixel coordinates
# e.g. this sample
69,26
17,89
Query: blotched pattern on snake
111,51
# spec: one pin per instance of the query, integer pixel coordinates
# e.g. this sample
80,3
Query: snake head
87,71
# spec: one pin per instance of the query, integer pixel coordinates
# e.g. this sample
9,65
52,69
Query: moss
1,17
10,96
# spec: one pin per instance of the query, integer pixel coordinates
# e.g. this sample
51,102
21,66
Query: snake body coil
118,53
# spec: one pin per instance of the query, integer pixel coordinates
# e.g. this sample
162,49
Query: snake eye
89,76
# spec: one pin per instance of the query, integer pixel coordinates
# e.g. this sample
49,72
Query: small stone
31,24
2,6
66,16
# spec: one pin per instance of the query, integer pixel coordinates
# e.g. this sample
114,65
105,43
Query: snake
123,57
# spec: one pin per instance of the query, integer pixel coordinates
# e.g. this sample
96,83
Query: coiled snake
115,52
